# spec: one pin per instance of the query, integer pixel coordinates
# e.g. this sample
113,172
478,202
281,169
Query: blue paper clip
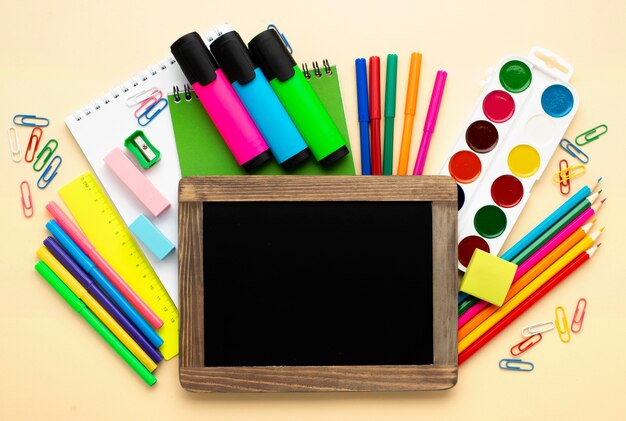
45,178
30,120
515,364
574,150
150,114
282,36
591,135
47,153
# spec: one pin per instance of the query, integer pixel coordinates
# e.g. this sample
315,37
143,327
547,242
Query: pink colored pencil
538,255
77,235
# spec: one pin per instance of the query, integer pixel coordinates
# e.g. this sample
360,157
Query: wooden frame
439,190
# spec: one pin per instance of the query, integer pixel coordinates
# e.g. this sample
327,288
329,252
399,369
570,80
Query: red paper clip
36,136
565,186
27,209
526,344
579,316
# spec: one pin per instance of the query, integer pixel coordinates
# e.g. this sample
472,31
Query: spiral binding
317,71
187,91
138,79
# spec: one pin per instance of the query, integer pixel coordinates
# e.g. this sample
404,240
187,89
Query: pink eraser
138,183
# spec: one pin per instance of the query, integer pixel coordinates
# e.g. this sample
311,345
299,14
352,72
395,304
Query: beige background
58,56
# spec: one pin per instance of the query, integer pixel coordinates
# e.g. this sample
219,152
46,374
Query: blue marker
258,97
364,115
88,266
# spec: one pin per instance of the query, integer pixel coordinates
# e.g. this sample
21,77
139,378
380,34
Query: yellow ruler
105,229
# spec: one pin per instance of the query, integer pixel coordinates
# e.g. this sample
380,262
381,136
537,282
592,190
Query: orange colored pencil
535,271
409,111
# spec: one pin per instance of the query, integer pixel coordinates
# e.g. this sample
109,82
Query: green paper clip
591,135
139,145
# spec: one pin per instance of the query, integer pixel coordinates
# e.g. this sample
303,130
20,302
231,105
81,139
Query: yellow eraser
488,277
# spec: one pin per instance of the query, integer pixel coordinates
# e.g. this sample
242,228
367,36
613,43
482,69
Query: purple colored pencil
66,260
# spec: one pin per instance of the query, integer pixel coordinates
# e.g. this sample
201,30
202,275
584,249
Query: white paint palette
505,145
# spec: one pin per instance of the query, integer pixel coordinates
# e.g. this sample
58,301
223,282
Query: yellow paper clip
564,333
27,201
573,150
568,173
14,145
566,186
579,315
541,327
45,154
591,135
49,173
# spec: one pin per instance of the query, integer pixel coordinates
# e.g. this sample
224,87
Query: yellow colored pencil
80,291
544,277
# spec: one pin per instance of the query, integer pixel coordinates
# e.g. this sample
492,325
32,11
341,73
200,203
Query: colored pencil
524,293
554,229
573,226
550,220
364,115
374,96
409,112
391,80
462,296
95,323
85,245
526,304
551,258
467,304
45,256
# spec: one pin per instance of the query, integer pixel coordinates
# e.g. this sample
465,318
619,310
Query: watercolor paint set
515,127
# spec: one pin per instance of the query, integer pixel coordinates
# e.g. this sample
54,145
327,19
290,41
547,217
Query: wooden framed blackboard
317,283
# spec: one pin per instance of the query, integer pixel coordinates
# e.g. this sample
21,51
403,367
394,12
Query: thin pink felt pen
77,235
578,222
431,121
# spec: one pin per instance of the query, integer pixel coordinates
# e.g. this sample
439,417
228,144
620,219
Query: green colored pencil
466,304
102,330
554,229
390,112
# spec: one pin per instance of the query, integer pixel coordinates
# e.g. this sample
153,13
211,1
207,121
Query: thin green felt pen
98,326
390,112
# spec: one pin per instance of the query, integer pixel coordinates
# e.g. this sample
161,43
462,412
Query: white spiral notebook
105,123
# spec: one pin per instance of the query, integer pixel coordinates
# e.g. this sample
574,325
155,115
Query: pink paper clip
27,208
526,344
566,185
579,316
155,96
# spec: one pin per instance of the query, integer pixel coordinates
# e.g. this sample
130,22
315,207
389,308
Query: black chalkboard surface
317,283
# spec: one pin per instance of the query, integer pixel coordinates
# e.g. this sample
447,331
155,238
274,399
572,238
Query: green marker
390,112
82,309
298,97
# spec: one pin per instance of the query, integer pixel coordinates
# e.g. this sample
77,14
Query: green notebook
202,151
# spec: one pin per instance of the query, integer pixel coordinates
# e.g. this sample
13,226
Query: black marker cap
194,59
272,55
233,57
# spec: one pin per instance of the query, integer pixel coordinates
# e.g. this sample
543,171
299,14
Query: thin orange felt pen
518,285
409,112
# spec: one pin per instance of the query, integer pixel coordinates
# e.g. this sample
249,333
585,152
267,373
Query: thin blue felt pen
552,219
88,266
364,115
81,276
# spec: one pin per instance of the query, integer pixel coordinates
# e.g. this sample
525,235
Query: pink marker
539,254
220,101
77,235
431,121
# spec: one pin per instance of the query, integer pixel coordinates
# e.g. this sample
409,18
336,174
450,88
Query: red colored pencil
543,290
375,115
